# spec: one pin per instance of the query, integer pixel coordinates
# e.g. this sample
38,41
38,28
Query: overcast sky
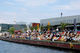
34,10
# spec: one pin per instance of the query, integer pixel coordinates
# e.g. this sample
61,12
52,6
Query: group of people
49,35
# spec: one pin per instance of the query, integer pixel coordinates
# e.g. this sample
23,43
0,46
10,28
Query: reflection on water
8,47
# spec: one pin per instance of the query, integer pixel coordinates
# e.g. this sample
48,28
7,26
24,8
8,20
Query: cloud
73,5
2,21
23,9
20,0
7,17
8,3
6,14
43,9
33,3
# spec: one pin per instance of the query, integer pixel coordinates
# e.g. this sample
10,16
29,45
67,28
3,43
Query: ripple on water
8,47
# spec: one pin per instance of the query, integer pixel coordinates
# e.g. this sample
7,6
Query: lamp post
61,14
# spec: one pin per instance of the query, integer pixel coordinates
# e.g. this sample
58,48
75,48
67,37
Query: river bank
10,47
65,45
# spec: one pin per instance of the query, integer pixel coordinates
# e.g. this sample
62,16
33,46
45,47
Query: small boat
58,44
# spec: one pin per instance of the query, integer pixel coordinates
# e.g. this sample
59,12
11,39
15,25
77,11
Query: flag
48,26
48,23
38,27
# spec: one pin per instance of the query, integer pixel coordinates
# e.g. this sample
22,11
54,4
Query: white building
59,20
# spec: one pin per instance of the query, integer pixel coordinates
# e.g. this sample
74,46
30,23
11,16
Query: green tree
11,30
63,25
31,28
35,27
21,31
25,29
48,27
41,28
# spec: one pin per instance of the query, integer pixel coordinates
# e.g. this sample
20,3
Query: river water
9,47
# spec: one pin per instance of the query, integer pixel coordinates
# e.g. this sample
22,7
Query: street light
61,14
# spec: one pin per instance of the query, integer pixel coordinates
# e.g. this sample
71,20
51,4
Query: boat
57,44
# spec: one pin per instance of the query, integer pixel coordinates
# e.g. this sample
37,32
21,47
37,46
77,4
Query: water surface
9,47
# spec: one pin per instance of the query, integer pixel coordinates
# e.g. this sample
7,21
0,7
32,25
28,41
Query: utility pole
15,26
14,20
